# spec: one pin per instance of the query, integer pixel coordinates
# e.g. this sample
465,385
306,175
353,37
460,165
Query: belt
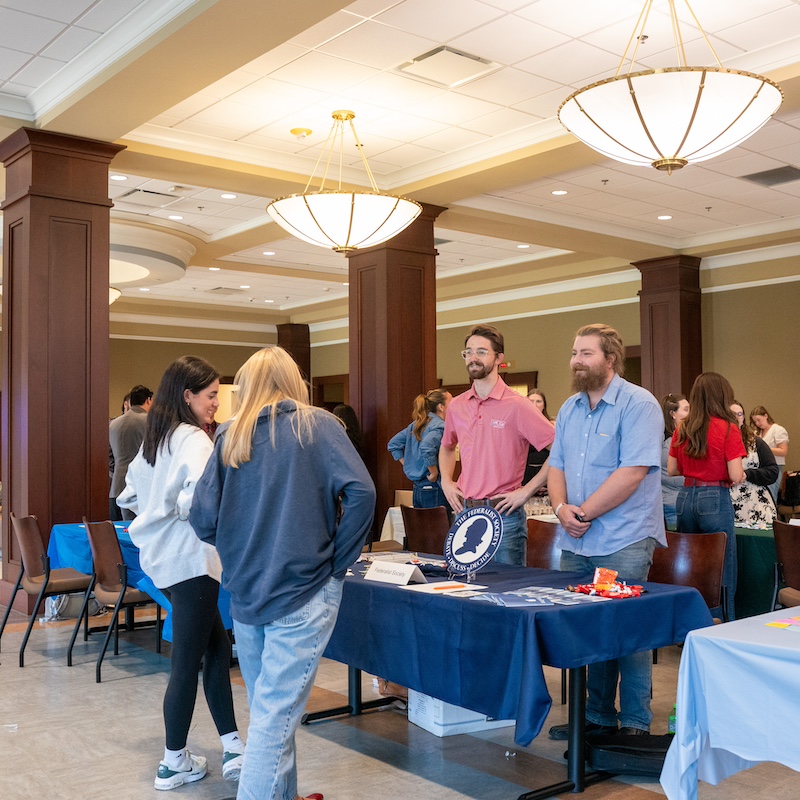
689,482
474,502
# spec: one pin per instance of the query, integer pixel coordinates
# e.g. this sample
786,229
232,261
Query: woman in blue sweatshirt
417,448
287,502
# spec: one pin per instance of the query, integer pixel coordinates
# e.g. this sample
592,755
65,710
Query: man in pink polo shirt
493,427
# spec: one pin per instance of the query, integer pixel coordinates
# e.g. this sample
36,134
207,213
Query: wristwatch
558,508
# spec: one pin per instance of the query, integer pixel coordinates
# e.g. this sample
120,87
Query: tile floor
64,737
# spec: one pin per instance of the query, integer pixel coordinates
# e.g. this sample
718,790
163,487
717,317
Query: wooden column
296,340
392,342
55,332
670,319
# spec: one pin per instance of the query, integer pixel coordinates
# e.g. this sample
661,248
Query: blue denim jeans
428,495
514,545
708,509
279,662
634,672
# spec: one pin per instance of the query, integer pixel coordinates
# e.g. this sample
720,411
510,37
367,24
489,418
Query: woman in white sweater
159,489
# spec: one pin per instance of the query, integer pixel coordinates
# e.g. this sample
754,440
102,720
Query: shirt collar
498,390
609,396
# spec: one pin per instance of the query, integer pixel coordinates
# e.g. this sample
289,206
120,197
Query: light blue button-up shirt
624,429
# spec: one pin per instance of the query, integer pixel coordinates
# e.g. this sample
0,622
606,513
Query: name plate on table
398,574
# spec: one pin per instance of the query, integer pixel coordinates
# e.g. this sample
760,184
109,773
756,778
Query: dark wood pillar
392,342
296,340
55,332
670,319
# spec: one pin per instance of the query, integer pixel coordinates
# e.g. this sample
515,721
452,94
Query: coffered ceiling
204,95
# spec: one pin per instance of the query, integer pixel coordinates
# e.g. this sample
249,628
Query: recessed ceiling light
244,286
345,283
559,192
143,289
214,269
228,196
664,216
523,246
119,177
176,217
269,301
268,253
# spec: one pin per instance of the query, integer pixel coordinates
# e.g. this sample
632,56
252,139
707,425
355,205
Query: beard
589,379
476,370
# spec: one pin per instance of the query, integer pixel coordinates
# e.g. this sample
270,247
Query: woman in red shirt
707,450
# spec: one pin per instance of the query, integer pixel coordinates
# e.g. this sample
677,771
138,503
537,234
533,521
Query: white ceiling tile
11,61
509,86
327,29
509,5
275,58
26,32
730,189
231,83
322,72
761,29
243,117
452,139
499,122
785,207
715,16
408,154
453,108
283,98
71,43
191,105
369,8
107,13
403,126
38,71
787,154
392,91
547,104
62,11
508,40
442,20
243,213
377,46
745,164
567,19
570,63
206,129
773,134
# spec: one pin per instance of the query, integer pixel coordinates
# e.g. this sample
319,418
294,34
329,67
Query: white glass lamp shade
344,221
670,117
113,294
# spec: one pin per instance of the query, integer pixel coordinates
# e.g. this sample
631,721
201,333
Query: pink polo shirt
493,436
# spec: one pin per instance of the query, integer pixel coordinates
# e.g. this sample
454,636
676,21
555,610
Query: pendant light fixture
668,118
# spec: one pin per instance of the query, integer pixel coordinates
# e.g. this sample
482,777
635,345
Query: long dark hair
748,434
169,408
669,405
348,416
711,396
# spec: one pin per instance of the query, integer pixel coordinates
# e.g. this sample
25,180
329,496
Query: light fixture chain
319,158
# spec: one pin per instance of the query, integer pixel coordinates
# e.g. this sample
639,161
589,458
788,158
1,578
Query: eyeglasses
481,352
739,413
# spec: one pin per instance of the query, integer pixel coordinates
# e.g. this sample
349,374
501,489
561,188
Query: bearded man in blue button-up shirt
605,486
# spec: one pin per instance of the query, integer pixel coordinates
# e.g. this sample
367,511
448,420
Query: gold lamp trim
339,219
667,118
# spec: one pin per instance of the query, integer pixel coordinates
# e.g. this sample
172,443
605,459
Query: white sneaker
232,765
168,778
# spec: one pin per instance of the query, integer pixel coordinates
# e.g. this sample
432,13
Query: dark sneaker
232,765
633,732
561,732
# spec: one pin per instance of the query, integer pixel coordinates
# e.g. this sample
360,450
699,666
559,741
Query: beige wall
134,361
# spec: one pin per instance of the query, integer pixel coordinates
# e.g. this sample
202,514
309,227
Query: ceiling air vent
774,177
142,197
225,290
440,242
448,67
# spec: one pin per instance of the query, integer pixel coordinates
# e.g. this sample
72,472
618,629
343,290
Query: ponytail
425,404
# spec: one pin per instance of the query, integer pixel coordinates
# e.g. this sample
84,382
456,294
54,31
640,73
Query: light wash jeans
513,547
279,662
634,672
708,509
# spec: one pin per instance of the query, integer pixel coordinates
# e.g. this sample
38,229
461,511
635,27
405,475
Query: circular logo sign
473,540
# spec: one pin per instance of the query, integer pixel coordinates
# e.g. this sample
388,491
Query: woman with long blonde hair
288,503
416,447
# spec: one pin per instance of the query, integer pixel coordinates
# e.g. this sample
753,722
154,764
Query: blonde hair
264,380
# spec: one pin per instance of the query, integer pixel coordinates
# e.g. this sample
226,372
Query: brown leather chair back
106,554
542,550
426,529
31,544
692,559
787,548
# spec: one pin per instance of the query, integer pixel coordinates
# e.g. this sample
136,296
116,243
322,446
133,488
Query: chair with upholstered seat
36,578
787,565
542,552
426,529
109,583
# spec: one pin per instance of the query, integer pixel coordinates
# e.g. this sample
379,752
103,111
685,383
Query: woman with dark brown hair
707,450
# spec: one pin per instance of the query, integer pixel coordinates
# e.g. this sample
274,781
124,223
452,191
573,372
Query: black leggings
197,635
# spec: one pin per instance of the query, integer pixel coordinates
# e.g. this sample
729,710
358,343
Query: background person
537,458
159,488
125,435
288,504
753,506
675,408
417,448
348,417
777,440
707,450
493,427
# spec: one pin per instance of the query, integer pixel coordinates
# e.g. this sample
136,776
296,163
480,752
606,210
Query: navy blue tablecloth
489,658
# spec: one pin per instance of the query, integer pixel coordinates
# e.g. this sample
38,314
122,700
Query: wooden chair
37,579
426,529
542,552
109,582
787,566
